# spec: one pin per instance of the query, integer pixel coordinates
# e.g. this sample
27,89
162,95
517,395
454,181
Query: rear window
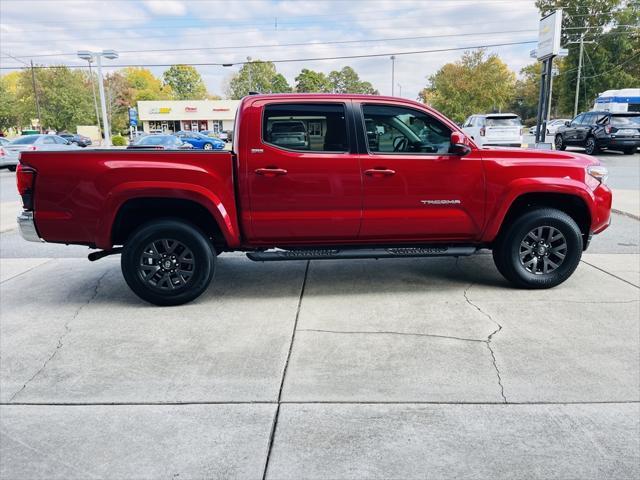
503,122
27,140
625,121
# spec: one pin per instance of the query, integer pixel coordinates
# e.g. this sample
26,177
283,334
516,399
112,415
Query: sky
211,31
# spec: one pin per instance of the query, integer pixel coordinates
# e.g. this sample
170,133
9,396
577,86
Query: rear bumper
620,142
27,227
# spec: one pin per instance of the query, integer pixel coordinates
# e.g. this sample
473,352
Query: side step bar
356,253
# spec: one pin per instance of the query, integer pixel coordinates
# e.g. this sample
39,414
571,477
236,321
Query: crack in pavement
408,334
489,338
61,337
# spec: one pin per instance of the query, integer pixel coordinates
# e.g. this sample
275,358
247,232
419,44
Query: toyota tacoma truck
376,177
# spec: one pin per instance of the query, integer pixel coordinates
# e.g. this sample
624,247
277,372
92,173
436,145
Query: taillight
482,131
25,180
33,147
607,129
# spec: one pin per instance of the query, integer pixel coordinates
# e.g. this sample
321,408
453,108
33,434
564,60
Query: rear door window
306,127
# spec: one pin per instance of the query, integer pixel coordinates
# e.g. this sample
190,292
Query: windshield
625,121
26,140
503,122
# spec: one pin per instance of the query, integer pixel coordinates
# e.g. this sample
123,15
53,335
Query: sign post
548,47
133,121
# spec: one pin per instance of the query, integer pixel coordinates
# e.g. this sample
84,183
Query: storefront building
169,116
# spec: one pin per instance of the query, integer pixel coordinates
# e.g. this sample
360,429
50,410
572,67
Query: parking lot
404,368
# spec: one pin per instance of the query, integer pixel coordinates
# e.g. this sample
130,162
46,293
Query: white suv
494,129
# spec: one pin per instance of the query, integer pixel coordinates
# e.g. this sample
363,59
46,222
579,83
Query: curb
626,214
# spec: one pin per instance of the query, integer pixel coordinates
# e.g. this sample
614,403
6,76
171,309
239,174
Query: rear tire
559,143
541,249
207,146
591,146
168,262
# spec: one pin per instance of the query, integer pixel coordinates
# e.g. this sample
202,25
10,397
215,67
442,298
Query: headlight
599,172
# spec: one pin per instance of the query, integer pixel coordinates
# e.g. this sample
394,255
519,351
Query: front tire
629,151
591,146
559,143
541,249
168,262
12,168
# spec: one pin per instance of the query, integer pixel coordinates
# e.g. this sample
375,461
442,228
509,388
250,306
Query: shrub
118,141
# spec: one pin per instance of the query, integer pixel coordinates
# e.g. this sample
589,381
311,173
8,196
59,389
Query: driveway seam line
306,402
59,345
609,273
274,426
28,270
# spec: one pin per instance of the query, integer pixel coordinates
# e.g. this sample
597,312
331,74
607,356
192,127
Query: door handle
270,172
379,172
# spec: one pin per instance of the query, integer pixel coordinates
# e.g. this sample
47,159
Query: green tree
9,115
474,84
64,96
145,85
256,76
310,81
185,82
119,99
611,49
348,81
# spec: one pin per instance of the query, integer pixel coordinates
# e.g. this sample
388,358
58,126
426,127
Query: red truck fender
536,185
123,192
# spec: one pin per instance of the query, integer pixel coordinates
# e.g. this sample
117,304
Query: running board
355,253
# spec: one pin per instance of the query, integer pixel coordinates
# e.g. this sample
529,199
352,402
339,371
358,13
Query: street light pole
89,57
393,73
103,103
93,90
399,90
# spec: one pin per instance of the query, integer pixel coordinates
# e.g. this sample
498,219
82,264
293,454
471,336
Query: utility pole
250,80
393,73
575,105
35,94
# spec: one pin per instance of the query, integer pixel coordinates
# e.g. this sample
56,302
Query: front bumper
27,227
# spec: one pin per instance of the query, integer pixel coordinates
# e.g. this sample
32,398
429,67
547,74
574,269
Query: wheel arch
137,211
570,203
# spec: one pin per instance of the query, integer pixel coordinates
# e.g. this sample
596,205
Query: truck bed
77,194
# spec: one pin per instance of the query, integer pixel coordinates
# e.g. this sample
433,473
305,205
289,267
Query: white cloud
166,7
30,29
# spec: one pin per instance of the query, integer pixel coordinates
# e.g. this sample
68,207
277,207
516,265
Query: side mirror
567,123
458,144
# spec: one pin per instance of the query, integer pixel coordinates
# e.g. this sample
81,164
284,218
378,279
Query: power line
276,45
292,60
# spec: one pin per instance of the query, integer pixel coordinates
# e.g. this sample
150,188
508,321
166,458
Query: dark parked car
288,134
79,140
160,142
599,130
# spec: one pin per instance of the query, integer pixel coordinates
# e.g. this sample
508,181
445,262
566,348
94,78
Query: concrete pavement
367,369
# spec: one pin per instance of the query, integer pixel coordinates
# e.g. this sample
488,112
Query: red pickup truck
318,176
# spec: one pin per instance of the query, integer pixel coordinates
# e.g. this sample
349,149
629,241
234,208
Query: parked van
624,100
